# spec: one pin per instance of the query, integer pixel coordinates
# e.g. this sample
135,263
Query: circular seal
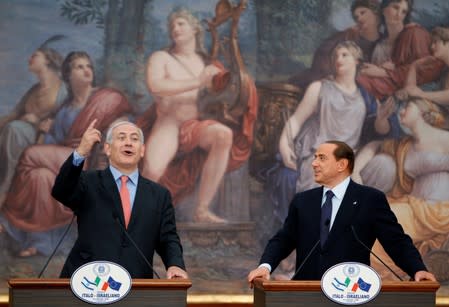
101,269
100,282
351,270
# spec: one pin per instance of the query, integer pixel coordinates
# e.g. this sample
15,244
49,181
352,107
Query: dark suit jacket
94,198
363,208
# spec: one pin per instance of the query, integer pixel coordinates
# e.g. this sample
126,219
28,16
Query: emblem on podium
100,282
351,283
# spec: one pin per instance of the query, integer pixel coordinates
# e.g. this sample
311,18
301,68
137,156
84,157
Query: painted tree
123,23
288,32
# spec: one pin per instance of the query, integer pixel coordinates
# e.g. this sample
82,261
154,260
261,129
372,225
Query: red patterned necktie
124,197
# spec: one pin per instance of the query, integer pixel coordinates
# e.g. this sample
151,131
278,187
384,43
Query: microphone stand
116,219
56,248
369,249
305,259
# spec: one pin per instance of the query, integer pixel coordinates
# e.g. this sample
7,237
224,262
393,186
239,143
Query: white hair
121,123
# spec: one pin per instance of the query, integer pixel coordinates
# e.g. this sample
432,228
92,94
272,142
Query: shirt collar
340,189
117,174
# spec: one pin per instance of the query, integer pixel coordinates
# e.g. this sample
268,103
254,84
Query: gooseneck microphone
305,259
56,248
369,249
117,220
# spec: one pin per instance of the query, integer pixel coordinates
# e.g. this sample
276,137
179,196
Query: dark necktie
326,213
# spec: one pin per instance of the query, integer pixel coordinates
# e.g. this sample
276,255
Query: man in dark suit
356,215
96,199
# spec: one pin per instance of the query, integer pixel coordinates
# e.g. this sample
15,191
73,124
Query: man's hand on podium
424,275
176,272
261,272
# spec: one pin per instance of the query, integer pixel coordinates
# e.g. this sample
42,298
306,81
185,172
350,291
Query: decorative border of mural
235,299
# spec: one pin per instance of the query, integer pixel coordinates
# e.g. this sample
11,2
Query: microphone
116,219
305,259
369,249
56,248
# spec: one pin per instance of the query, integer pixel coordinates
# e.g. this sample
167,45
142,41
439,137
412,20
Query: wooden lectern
57,293
309,294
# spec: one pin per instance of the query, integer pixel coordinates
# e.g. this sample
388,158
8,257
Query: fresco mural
239,145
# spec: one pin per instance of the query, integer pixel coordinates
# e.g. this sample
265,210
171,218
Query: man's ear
342,165
107,149
142,150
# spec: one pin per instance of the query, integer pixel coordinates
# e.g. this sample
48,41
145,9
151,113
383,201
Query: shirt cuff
77,158
266,265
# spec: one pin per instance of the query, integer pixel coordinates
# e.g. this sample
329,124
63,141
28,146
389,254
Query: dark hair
372,5
53,57
67,69
386,3
440,34
343,151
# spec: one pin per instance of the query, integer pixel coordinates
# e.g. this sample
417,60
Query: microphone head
355,233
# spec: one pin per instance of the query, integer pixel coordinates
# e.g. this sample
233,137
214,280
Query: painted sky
24,26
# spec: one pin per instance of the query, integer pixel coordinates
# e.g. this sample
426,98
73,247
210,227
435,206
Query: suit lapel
315,210
139,203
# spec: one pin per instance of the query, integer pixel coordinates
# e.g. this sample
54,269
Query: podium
309,294
57,293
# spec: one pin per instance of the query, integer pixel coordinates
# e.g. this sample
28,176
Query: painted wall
277,40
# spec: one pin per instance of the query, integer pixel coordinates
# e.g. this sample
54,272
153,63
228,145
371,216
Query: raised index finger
92,124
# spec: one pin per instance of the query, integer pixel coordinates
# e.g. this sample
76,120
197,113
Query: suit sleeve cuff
77,158
265,265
